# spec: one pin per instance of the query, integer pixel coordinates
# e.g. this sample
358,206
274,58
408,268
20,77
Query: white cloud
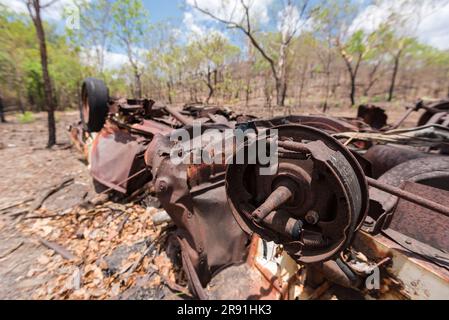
195,30
191,24
112,60
428,22
232,9
198,24
289,20
14,5
434,28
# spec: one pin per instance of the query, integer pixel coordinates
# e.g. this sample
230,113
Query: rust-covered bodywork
348,201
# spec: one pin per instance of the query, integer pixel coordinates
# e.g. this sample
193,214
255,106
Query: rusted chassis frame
195,197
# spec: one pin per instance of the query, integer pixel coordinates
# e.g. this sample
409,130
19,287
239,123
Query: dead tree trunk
280,76
353,71
372,79
2,113
210,85
394,75
34,8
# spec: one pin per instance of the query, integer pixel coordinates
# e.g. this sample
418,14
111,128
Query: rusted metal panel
422,224
152,127
115,156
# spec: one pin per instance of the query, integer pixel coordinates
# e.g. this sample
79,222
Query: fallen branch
43,217
7,253
19,213
122,225
52,191
150,247
10,206
63,252
136,264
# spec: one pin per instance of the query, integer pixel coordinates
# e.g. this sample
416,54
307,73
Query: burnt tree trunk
353,88
210,86
394,76
372,79
352,70
34,8
2,113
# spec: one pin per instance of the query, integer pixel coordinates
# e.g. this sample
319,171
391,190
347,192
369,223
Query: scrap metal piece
432,109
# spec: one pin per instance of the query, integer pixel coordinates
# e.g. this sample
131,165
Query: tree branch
246,31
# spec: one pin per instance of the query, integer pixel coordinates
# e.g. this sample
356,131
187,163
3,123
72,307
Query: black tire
94,104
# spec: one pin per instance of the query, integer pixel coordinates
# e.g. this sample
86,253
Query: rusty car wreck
355,202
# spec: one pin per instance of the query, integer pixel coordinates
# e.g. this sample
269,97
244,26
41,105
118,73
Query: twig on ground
136,264
19,213
65,183
7,253
122,224
150,247
63,252
43,217
10,206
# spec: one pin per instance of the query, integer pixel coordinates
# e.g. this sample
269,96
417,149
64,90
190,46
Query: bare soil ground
30,270
28,169
109,251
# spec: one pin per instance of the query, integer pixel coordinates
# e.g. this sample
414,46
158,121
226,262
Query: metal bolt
312,217
162,186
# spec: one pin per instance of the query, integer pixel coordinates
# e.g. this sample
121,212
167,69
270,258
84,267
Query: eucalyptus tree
242,15
130,25
35,8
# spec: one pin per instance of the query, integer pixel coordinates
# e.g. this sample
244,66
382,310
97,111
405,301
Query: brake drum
314,201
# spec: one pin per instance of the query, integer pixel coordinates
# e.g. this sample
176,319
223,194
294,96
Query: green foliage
26,117
377,99
130,25
171,65
20,65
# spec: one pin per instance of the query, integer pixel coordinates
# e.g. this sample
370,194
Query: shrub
26,117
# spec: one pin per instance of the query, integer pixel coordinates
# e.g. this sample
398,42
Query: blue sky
160,11
433,28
